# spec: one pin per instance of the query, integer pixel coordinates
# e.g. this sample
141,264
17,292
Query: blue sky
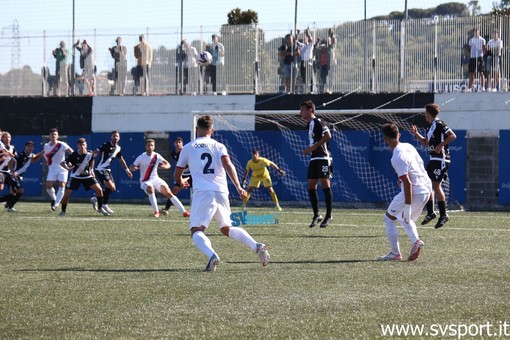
132,17
57,14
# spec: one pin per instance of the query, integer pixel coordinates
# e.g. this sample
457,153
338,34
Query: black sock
106,195
64,207
328,193
442,208
99,203
314,200
430,207
168,204
12,201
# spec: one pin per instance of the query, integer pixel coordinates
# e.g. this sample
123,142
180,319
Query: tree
238,17
475,8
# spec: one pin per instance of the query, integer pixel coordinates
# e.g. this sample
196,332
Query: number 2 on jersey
207,169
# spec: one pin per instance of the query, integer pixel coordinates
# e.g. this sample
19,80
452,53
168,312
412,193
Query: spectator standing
119,54
190,68
61,53
87,64
209,164
321,162
324,56
290,53
143,55
306,65
494,47
437,138
476,64
218,60
415,190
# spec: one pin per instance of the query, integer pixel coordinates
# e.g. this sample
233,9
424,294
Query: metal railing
426,55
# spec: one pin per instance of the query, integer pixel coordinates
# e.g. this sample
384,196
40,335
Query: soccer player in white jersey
209,164
150,182
415,189
55,153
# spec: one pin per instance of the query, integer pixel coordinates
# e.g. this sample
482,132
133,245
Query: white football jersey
406,160
148,165
55,154
203,157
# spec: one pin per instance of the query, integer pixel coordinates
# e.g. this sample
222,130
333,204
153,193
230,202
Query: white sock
51,193
392,233
203,243
154,202
60,194
241,235
177,204
410,229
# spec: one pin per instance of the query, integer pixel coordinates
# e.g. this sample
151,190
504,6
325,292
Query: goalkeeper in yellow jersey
258,165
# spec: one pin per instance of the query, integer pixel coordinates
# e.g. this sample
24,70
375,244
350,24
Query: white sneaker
415,250
107,208
390,257
263,254
11,210
104,211
211,265
93,200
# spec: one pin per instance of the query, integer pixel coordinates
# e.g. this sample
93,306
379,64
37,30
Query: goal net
362,172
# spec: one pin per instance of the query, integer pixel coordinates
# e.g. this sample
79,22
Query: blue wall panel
504,167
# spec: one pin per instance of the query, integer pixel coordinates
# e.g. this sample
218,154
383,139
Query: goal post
362,172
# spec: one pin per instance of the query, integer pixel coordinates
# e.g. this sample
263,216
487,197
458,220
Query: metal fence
427,55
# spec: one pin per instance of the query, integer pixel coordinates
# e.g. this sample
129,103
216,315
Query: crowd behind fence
427,55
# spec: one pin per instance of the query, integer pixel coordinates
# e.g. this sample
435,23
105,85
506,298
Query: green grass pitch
133,276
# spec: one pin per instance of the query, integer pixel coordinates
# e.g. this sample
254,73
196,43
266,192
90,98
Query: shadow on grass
92,270
331,236
306,262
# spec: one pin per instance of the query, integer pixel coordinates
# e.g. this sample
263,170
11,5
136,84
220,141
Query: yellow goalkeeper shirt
259,168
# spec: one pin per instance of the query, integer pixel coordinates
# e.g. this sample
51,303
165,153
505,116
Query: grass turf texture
133,276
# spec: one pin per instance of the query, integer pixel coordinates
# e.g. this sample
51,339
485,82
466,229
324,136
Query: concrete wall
169,113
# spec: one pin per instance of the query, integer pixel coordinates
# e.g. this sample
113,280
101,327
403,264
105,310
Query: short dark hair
54,130
254,151
433,109
29,143
81,141
114,131
150,140
178,139
309,105
390,130
205,122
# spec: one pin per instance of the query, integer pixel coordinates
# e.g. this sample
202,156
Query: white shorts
157,183
57,174
208,204
396,206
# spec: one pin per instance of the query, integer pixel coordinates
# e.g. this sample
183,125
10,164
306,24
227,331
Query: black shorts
14,182
476,65
320,168
104,175
74,183
437,170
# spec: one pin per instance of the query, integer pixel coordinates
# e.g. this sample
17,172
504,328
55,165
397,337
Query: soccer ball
204,58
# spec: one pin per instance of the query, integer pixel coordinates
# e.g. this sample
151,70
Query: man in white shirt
415,188
209,164
55,153
494,47
476,64
150,182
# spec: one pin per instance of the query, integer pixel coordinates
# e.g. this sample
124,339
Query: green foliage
455,9
133,276
238,17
